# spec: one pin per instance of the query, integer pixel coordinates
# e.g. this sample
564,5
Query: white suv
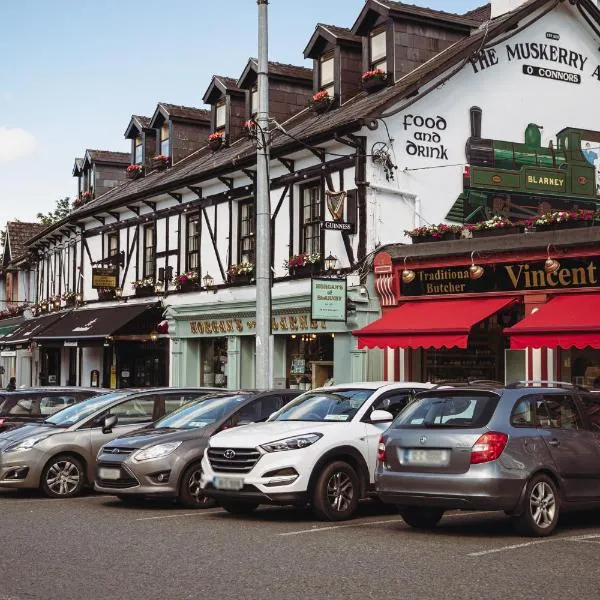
319,449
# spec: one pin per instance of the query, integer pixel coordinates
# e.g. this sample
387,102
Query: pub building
503,308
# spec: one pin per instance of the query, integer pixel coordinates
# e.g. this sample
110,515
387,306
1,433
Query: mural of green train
520,179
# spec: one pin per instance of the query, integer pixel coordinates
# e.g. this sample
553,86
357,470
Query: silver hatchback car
529,451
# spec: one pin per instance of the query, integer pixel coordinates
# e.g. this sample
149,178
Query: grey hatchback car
527,450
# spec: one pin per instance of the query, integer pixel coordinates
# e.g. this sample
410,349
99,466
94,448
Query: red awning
565,321
429,323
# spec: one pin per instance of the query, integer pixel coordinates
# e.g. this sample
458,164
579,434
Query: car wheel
540,508
337,492
238,507
190,492
420,518
62,477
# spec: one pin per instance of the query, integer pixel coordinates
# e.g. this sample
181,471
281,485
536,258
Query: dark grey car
530,451
163,460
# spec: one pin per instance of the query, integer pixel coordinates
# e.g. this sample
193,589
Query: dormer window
220,113
89,184
138,151
253,100
378,50
164,139
326,73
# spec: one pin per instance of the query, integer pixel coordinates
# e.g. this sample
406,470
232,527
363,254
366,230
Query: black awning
92,323
30,328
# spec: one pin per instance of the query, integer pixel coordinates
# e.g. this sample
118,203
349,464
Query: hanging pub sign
328,299
523,276
338,226
104,277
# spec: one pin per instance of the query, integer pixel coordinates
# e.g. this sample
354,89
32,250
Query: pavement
94,547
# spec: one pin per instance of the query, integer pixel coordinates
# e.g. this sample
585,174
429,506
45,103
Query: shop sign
328,299
8,353
68,344
104,277
242,326
522,276
338,226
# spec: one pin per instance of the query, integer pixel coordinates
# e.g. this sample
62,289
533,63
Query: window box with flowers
434,233
106,293
216,140
241,273
134,171
250,128
160,162
86,197
374,80
186,282
146,286
497,225
321,101
69,298
564,219
78,202
303,265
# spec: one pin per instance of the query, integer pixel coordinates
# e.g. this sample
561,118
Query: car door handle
554,443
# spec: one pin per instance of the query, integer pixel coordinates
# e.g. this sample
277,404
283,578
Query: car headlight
158,451
100,452
26,444
292,443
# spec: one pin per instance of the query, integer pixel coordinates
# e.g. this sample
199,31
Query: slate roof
109,156
481,13
185,112
285,70
228,82
143,121
342,33
422,11
18,233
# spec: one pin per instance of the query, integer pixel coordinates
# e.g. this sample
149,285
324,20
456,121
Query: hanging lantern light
551,265
408,275
475,271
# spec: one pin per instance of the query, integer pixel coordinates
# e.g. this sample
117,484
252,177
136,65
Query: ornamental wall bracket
381,156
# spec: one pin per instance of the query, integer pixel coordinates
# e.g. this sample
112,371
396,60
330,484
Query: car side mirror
109,422
381,416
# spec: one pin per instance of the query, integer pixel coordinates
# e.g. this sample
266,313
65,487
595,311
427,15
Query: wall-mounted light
208,281
408,275
551,265
118,292
153,335
78,298
330,262
475,271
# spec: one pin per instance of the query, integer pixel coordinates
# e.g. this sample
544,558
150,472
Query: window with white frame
326,73
220,113
312,210
164,139
254,101
246,229
192,248
149,251
112,244
138,150
378,50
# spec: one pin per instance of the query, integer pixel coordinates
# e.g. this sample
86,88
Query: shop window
326,73
246,229
164,139
138,150
309,360
220,114
378,50
213,371
312,211
149,251
192,253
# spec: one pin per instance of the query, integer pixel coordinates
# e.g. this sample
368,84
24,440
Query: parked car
164,458
31,405
58,455
530,451
320,449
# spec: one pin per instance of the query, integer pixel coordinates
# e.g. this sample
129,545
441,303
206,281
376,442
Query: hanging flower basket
564,219
435,233
216,140
321,102
374,80
159,162
134,171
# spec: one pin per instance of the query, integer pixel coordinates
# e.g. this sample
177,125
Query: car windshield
73,414
452,410
334,405
201,412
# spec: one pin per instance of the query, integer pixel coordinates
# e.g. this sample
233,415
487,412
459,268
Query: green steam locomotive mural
522,179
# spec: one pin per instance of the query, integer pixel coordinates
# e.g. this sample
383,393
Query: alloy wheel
194,488
542,504
63,477
340,491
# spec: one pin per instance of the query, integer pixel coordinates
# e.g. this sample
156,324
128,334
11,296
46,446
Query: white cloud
15,143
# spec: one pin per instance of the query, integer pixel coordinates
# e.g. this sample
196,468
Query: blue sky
73,72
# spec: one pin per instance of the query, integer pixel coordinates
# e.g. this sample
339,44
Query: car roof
37,390
376,385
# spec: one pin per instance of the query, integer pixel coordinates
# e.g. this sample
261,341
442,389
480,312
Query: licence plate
426,458
228,483
107,473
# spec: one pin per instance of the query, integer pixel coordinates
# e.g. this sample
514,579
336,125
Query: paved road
94,547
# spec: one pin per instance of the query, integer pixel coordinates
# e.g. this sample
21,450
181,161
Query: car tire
238,507
420,518
190,494
63,477
541,507
336,493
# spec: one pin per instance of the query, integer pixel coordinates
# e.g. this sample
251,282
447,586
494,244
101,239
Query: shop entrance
141,364
309,360
50,366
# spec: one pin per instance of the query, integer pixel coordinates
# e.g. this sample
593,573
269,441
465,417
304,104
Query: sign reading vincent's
573,273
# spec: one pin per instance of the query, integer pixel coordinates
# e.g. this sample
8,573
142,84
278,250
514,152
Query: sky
73,73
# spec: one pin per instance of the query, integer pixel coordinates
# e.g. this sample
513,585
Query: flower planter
321,106
214,145
444,237
478,233
158,165
188,286
305,271
243,278
565,225
106,295
135,174
142,292
374,84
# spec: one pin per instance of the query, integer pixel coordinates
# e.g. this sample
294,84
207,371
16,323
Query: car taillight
488,447
381,450
2,422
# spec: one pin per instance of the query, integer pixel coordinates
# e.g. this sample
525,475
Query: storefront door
50,370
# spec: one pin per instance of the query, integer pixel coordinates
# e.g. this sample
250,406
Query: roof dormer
228,103
337,60
143,139
78,172
180,130
290,89
100,171
398,38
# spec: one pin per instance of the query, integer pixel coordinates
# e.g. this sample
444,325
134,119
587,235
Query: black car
32,405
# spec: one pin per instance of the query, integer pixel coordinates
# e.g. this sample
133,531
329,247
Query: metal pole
263,210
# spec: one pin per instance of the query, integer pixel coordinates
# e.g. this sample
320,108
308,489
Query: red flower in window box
216,140
86,196
374,80
321,101
134,171
160,161
250,128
